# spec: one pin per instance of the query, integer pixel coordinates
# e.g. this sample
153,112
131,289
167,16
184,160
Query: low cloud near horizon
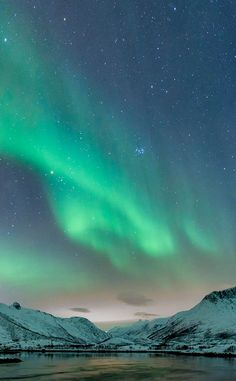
134,299
80,309
145,315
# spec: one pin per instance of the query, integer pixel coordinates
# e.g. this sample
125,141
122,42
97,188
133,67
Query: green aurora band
29,269
103,195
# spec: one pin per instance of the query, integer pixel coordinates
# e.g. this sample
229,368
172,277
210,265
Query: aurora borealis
118,156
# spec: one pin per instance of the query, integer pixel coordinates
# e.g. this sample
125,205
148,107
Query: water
127,367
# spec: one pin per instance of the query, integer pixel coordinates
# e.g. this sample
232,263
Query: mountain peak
26,328
216,296
16,305
208,327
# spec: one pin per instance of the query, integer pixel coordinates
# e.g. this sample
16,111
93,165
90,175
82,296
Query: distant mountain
140,331
29,328
210,326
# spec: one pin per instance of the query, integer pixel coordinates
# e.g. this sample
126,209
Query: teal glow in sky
117,155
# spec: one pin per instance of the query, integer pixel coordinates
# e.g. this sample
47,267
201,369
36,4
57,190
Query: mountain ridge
30,328
221,294
210,325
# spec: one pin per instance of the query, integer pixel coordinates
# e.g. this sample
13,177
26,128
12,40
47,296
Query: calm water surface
125,367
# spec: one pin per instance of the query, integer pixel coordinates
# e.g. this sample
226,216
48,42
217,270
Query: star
140,150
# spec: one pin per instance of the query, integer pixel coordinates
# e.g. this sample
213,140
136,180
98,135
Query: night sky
117,154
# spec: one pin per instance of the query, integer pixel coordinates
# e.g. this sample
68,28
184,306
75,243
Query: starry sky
117,155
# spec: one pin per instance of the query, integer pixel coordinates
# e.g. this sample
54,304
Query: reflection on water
128,367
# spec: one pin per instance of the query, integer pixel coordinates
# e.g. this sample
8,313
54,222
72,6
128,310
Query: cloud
145,315
134,299
80,309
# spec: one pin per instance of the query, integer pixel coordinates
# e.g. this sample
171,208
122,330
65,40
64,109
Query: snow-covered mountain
210,326
140,331
30,328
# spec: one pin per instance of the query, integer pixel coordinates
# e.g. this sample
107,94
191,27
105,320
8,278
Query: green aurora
104,194
92,198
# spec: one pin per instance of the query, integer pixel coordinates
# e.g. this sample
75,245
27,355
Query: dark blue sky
118,153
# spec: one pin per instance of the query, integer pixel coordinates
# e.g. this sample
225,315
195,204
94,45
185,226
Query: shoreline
113,351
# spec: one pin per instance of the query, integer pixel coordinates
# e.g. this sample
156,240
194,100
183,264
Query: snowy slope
139,331
209,326
27,327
